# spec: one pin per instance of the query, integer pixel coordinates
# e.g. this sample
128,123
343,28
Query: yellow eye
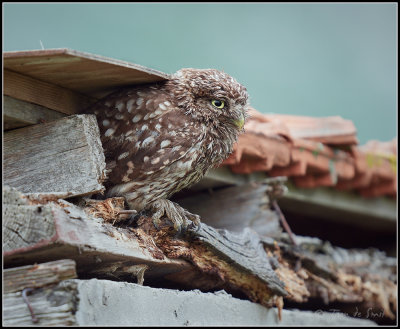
218,104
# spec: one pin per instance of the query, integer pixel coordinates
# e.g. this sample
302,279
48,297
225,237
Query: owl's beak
239,122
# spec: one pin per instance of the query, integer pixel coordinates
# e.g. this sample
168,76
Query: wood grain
79,71
245,250
37,276
62,230
18,113
235,208
43,93
53,305
63,156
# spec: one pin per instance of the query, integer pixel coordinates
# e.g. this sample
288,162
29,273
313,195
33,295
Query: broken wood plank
18,113
45,232
235,208
42,93
39,275
63,157
234,262
365,278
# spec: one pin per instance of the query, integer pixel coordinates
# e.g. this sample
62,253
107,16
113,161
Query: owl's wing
143,133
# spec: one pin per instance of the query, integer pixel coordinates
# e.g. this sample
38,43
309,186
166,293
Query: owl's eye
218,104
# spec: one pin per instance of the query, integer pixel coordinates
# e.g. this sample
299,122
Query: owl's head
211,96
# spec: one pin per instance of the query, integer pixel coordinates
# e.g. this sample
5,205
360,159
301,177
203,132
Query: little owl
162,137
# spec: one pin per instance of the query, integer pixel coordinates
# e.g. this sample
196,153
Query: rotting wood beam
235,262
40,232
316,269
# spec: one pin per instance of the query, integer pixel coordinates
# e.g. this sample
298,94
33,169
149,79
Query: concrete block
103,302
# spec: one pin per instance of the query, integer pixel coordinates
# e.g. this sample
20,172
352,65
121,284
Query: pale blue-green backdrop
315,59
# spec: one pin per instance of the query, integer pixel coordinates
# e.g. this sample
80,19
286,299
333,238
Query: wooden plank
46,232
79,71
225,260
327,203
53,305
63,156
367,278
39,275
18,114
46,94
50,301
341,206
235,208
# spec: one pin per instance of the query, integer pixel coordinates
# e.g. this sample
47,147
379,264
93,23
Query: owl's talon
156,223
176,214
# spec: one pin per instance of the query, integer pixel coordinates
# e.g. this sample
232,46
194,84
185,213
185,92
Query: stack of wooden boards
54,232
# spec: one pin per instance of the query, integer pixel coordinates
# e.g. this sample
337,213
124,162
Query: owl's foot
175,213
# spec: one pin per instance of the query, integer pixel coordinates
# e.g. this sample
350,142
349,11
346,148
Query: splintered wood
315,269
232,262
269,271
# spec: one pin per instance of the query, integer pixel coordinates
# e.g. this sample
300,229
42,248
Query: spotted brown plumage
160,138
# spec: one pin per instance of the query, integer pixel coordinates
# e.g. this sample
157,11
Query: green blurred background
314,59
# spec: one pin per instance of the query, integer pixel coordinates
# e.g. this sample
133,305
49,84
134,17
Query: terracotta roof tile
328,130
315,152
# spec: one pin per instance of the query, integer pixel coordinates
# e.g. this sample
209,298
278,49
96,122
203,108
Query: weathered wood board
38,275
35,232
18,114
36,295
46,94
79,71
235,208
63,156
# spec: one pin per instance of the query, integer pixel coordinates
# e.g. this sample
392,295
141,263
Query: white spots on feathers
123,155
165,143
155,161
129,105
139,101
176,148
162,106
120,106
106,123
147,141
109,132
136,118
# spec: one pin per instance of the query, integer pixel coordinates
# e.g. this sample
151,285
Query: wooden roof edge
76,53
